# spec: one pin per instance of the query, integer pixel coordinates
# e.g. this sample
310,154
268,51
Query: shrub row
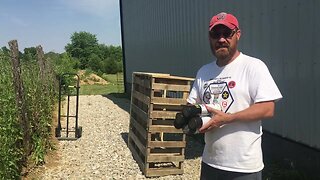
39,98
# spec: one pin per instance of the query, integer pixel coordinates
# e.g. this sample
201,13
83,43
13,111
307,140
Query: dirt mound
90,78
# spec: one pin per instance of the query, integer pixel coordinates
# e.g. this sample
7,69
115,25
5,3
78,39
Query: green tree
110,66
29,54
63,63
95,62
5,51
115,53
83,44
112,56
52,56
85,49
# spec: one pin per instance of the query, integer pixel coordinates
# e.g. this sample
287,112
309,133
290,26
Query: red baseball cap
226,19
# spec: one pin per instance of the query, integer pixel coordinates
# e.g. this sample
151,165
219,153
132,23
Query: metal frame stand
77,129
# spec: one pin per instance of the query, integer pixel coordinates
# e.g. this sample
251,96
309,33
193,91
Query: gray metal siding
156,33
170,36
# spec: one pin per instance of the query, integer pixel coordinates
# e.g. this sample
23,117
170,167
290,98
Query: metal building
171,36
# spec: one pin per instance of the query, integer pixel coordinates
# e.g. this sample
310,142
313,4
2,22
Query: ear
238,34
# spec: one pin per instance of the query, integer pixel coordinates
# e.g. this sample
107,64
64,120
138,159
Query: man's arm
257,111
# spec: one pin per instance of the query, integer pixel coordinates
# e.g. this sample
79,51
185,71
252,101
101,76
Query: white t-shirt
246,80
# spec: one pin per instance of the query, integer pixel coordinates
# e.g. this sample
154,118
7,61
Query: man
246,92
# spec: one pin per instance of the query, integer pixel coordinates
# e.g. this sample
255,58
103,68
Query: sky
50,23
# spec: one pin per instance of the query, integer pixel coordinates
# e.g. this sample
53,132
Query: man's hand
257,111
218,119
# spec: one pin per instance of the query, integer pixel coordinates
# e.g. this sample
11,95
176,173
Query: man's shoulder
248,57
207,66
250,60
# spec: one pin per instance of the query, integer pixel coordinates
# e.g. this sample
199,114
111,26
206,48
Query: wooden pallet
155,144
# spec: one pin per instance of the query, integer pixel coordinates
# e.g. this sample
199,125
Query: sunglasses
227,33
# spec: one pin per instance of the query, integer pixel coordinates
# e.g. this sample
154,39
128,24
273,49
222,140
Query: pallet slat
137,157
164,158
141,82
161,100
171,87
161,128
139,112
142,131
163,114
166,144
137,142
145,99
163,172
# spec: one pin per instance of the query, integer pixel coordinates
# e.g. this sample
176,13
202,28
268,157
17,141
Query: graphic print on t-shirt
217,91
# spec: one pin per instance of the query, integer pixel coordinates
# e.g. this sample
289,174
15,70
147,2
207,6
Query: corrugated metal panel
316,76
170,36
161,32
291,55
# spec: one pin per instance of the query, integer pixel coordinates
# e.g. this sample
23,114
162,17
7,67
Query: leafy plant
10,134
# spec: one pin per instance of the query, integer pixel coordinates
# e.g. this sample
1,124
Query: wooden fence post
43,69
41,62
20,100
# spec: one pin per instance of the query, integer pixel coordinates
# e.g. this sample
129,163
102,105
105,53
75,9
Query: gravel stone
102,151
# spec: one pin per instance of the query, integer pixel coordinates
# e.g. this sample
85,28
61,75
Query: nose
221,38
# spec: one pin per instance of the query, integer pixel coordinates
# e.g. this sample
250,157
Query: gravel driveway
102,151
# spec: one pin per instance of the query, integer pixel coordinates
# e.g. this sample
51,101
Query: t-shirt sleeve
262,86
194,96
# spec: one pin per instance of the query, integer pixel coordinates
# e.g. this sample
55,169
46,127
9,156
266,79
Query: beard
223,51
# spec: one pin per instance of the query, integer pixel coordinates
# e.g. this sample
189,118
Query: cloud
100,8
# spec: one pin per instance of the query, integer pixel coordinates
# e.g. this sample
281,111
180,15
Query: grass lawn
113,78
115,85
100,89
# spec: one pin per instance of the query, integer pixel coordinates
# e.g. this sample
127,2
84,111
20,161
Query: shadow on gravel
193,149
120,99
125,136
